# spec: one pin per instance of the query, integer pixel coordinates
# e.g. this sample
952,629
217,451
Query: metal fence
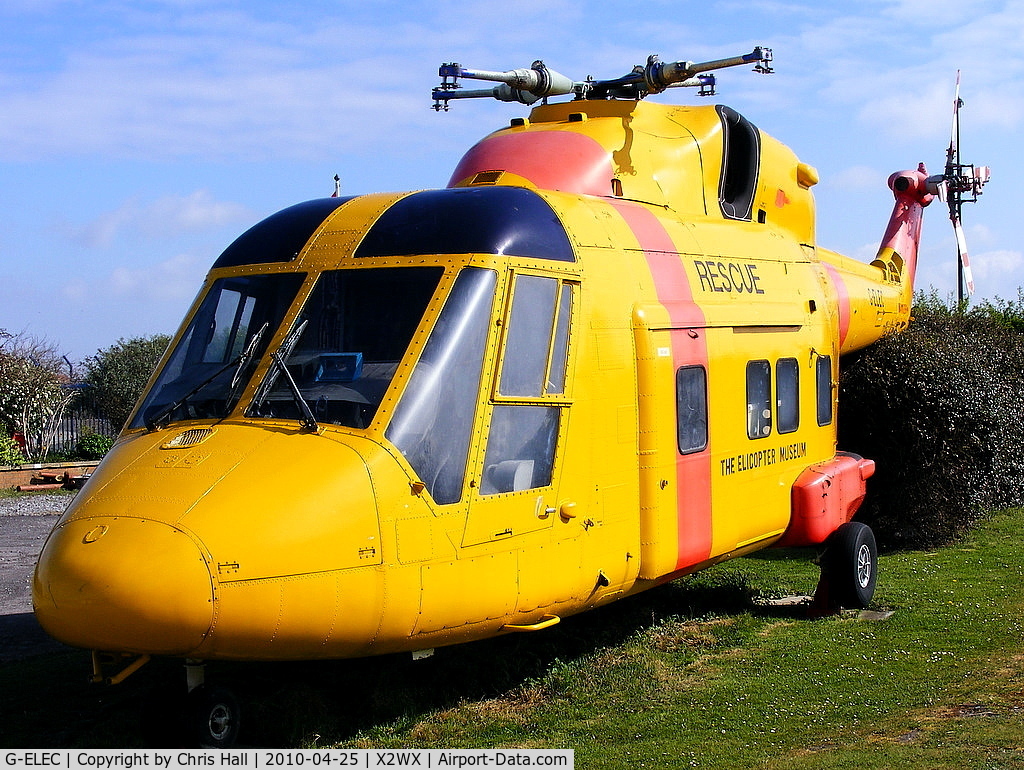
82,416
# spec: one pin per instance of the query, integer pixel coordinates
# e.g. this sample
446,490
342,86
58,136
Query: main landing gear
849,570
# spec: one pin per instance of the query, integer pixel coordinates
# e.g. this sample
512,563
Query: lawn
698,673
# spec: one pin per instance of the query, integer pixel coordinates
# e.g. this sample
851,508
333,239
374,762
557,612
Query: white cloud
934,12
984,37
923,110
172,281
169,215
979,234
198,89
191,213
216,85
179,78
999,269
857,179
99,307
888,66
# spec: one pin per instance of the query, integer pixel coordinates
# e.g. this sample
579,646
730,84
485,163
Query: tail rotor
959,183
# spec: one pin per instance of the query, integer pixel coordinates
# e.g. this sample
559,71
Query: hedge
940,408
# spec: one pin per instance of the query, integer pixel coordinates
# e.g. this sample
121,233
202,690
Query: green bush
92,446
119,373
32,390
10,452
938,407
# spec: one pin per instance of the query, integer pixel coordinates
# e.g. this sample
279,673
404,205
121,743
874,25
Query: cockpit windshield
217,354
346,344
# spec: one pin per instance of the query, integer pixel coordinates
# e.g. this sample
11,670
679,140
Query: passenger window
824,388
523,435
692,409
787,394
759,399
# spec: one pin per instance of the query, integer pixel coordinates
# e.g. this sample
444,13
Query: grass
692,674
12,492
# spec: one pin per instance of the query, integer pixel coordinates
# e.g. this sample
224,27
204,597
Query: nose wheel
212,717
212,714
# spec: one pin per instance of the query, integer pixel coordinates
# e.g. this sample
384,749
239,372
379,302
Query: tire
850,565
212,718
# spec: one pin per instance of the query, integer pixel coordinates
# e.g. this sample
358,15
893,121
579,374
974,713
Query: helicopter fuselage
604,357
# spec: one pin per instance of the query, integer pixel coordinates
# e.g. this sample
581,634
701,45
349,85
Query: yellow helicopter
603,357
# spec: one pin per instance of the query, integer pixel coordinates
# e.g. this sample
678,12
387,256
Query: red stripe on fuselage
689,347
844,301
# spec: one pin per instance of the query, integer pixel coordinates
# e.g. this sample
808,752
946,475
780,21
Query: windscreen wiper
243,361
247,354
263,391
156,421
153,422
308,420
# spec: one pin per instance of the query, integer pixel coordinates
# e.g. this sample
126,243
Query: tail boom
897,254
874,300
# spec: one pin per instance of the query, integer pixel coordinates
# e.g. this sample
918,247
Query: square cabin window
759,399
787,394
692,409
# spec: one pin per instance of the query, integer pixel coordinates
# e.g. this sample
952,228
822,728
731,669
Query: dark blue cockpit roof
281,236
510,221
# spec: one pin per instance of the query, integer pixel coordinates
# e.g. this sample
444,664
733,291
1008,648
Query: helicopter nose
125,585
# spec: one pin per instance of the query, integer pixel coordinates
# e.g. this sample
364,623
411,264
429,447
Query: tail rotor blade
962,183
961,247
954,134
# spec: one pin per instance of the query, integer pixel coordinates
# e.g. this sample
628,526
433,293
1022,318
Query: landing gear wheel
213,717
850,565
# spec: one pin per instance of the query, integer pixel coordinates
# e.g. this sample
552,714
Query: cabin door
514,486
674,446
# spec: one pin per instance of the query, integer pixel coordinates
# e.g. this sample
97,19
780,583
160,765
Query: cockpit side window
523,432
525,366
433,423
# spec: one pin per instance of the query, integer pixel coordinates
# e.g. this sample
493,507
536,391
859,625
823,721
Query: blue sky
137,139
